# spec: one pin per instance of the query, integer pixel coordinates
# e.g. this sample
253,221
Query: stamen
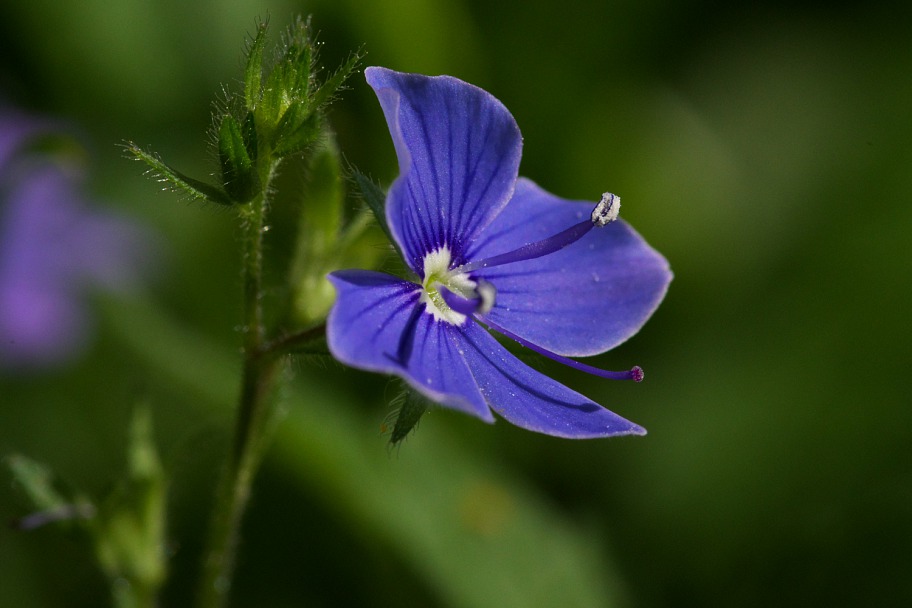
605,212
482,301
636,373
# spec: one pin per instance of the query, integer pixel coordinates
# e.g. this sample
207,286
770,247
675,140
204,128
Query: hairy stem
234,494
259,378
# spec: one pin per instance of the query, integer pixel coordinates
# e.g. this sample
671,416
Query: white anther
607,210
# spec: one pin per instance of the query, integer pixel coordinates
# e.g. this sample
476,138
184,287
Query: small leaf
177,181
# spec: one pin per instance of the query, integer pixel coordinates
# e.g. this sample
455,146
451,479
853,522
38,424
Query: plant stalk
259,378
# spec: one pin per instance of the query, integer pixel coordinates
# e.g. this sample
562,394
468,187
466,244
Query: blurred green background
763,148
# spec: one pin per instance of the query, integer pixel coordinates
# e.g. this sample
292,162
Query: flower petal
53,246
459,151
16,130
378,324
532,400
582,300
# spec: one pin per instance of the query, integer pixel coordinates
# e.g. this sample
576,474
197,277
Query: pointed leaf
177,181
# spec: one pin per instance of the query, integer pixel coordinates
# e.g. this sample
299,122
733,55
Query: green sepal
288,84
332,85
297,130
239,172
408,408
251,140
253,71
177,181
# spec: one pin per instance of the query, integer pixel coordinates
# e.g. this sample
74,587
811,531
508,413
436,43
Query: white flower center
437,272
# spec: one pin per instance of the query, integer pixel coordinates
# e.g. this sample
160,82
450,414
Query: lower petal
379,324
532,400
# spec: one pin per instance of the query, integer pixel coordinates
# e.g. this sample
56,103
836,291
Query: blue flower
53,247
490,249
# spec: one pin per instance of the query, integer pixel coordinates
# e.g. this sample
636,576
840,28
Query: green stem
234,494
259,378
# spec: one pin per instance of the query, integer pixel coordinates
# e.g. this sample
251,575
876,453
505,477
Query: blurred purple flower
557,276
53,248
